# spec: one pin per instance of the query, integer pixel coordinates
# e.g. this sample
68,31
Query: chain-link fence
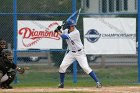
44,64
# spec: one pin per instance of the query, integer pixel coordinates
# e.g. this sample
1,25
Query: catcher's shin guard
11,77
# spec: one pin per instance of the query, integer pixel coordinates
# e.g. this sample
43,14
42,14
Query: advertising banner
38,35
110,35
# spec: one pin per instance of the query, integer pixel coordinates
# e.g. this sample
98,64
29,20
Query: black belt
76,51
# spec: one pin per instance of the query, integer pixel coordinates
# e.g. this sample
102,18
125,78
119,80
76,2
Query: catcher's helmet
2,44
7,55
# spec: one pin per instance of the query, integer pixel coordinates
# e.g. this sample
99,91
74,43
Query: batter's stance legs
62,77
93,75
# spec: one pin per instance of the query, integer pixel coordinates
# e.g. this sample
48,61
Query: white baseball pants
80,56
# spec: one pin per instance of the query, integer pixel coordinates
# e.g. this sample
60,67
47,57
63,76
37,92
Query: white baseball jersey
74,41
76,52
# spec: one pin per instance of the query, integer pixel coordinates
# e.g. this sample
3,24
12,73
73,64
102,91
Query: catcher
2,45
6,74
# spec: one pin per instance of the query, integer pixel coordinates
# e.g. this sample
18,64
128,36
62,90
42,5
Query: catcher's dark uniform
0,54
5,65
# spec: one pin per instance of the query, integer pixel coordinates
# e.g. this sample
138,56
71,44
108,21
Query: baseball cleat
61,85
6,87
98,85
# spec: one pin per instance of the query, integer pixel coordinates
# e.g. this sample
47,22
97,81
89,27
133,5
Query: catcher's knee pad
4,78
11,74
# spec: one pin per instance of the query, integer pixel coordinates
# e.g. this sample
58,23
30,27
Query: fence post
138,41
75,62
15,32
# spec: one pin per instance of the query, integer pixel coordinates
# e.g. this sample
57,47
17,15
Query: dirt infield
123,89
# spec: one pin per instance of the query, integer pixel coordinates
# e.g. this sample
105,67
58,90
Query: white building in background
109,6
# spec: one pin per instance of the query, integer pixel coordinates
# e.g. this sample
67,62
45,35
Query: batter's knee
87,69
62,69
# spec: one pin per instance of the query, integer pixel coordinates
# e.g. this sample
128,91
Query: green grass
111,76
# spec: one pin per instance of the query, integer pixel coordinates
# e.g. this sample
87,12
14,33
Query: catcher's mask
2,44
7,55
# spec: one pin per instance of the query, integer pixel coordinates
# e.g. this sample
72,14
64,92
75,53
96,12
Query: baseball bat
78,15
76,12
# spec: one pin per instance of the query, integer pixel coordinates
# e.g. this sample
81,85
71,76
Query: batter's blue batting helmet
70,23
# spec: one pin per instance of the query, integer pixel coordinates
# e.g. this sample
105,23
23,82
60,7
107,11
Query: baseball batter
76,52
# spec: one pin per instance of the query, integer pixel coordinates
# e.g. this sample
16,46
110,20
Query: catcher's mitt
20,70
